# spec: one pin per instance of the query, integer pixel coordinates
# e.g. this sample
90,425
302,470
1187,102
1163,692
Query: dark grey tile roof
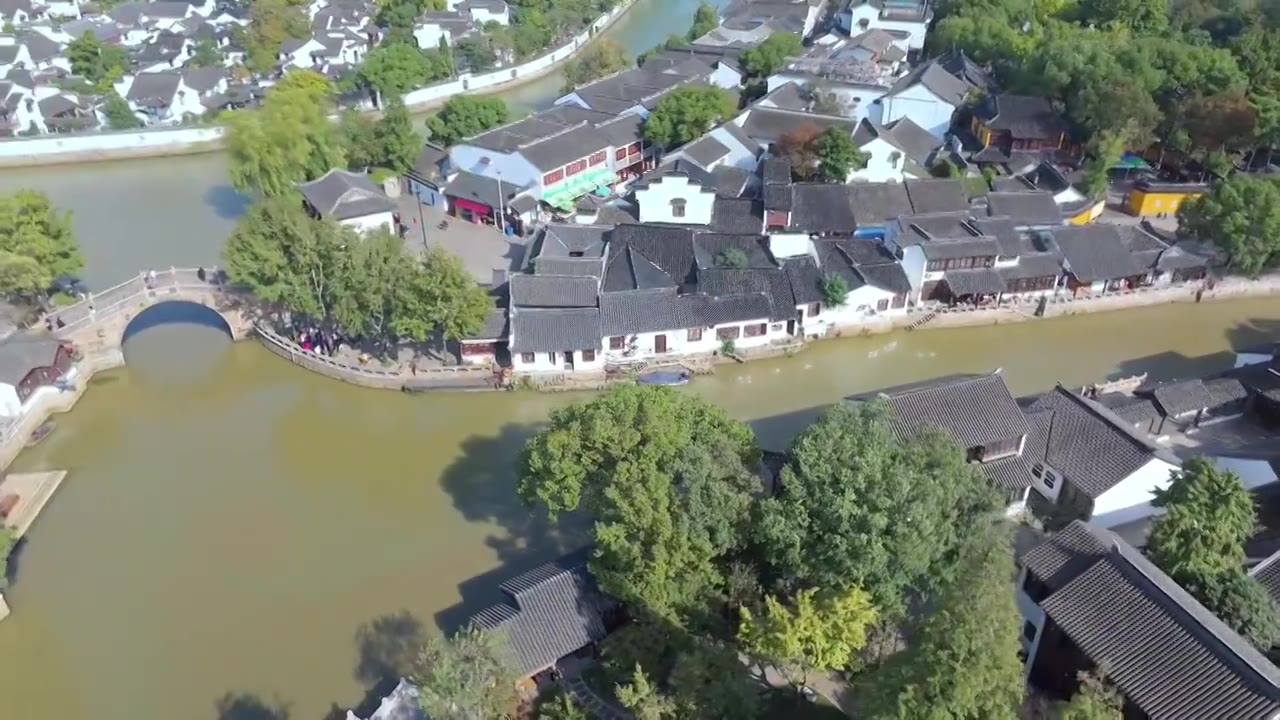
1023,116
482,189
705,150
862,262
948,248
1225,390
1131,408
569,241
536,127
643,311
341,195
203,79
737,215
1176,258
1008,473
775,170
1092,447
555,329
154,89
23,352
772,283
1025,209
1176,398
554,291
766,125
930,196
428,163
806,281
550,611
494,328
731,182
1168,655
874,204
1037,265
914,142
822,208
974,410
679,167
1096,252
777,197
980,281
649,256
1267,573
934,76
708,247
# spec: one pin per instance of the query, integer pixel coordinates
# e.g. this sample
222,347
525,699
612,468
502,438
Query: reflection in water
231,522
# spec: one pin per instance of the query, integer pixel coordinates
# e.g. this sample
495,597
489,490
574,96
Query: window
1037,470
695,334
620,154
597,157
815,309
755,330
1050,479
553,177
526,358
894,157
634,149
588,356
677,207
576,253
1029,631
617,342
728,333
882,305
551,358
575,167
776,327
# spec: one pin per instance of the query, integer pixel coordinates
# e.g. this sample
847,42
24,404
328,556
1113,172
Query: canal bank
236,526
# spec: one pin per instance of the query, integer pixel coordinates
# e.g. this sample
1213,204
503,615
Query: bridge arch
172,311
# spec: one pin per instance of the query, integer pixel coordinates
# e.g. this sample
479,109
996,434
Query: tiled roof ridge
567,129
1106,415
956,381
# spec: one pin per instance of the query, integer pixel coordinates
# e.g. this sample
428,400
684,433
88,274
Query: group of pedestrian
322,343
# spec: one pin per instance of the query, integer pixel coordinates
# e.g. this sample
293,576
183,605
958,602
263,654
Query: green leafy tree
835,291
764,59
686,113
708,680
601,58
393,134
1142,16
476,52
964,662
644,700
36,244
1105,151
814,632
846,474
837,155
464,116
271,22
286,141
98,62
668,480
671,43
705,19
400,16
562,708
1093,700
731,258
1242,216
357,133
118,114
394,69
205,53
944,168
439,296
1199,542
466,677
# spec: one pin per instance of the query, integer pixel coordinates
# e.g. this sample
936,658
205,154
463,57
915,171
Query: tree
964,663
1147,17
98,62
476,52
466,677
846,476
764,59
835,291
205,53
708,681
1242,216
36,244
798,145
439,296
399,17
464,116
394,69
687,112
731,258
1094,700
671,43
817,632
705,19
667,479
356,130
837,155
644,700
562,708
286,141
601,58
1105,150
271,22
118,113
1199,542
395,139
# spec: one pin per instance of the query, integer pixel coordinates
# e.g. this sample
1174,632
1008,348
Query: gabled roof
1096,252
641,311
935,77
1025,209
342,195
914,142
549,612
555,329
974,410
1022,116
23,352
554,291
1089,444
1164,651
1176,398
937,195
678,168
860,262
482,189
154,89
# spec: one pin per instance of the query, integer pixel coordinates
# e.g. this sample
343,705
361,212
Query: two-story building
1007,124
349,199
931,93
945,257
907,18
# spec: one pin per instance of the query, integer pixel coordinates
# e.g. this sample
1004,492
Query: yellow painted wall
1141,202
1088,215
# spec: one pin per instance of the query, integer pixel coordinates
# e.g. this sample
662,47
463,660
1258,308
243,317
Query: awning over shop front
565,193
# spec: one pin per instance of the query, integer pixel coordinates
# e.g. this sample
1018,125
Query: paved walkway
598,707
482,248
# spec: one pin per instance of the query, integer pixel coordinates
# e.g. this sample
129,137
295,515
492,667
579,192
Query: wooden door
659,344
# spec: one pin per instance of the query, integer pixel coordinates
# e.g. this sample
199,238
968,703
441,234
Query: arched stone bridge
98,323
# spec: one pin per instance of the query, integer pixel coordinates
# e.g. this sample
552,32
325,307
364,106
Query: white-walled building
900,151
161,98
931,93
349,198
908,19
677,192
32,365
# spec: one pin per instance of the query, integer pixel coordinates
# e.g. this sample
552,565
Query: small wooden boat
42,432
663,377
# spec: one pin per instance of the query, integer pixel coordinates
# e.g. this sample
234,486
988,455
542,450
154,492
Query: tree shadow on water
247,706
227,202
387,647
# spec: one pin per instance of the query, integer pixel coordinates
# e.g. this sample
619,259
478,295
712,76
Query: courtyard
486,253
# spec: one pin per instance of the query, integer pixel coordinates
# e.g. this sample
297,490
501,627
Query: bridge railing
107,303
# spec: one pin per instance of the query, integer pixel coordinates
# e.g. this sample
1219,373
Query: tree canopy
465,677
1242,216
847,483
1093,700
764,59
118,113
393,136
1199,542
600,58
667,479
686,113
36,244
271,22
98,62
837,155
394,69
816,631
705,19
288,140
464,116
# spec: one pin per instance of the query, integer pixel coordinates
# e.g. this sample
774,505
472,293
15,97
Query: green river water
230,522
